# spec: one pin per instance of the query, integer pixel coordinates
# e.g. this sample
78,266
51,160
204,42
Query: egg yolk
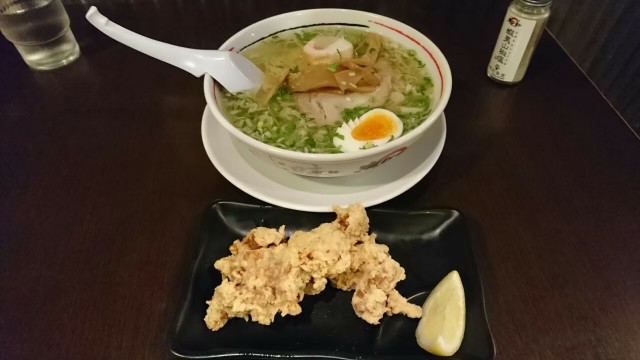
374,127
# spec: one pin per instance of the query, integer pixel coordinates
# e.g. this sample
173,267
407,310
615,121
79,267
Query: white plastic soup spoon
232,70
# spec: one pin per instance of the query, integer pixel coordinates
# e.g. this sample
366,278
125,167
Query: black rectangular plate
428,244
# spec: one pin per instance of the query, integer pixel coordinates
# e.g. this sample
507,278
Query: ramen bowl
339,164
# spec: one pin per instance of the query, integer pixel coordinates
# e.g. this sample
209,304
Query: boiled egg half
373,128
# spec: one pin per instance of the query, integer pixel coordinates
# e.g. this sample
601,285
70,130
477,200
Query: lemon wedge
441,328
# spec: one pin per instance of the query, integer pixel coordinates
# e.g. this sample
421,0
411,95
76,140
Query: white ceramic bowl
329,165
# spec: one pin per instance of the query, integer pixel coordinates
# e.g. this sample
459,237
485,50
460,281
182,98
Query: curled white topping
327,50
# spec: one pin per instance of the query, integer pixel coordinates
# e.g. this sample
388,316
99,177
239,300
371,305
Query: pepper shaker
521,30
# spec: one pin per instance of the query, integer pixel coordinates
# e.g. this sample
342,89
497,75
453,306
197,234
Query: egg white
349,144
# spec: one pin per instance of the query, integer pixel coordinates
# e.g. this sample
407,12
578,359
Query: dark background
103,182
603,37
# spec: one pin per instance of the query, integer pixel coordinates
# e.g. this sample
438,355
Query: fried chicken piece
266,274
257,282
258,238
353,221
323,251
373,275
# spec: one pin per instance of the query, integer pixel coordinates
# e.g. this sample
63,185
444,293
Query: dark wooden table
104,180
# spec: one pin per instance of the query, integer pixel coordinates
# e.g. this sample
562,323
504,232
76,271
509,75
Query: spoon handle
232,70
183,58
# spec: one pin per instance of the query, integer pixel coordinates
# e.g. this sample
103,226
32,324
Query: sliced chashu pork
326,108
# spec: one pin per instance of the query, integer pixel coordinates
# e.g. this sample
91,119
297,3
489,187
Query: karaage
267,274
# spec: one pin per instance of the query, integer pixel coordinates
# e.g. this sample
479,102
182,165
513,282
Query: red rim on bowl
431,51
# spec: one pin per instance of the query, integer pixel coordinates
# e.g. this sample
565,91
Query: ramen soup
331,89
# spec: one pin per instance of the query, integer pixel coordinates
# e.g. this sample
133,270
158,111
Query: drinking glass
40,31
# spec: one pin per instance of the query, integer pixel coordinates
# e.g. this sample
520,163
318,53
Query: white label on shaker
512,42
